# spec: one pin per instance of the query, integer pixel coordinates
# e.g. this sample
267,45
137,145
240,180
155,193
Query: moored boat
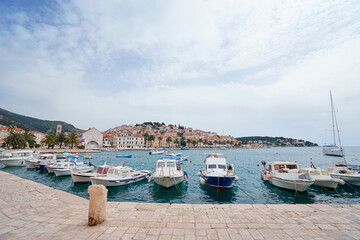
286,175
217,173
119,176
71,161
156,152
124,156
341,171
18,158
322,177
80,177
169,172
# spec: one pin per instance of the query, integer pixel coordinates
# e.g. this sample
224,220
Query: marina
32,217
249,189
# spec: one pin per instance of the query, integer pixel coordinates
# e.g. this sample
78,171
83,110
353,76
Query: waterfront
250,189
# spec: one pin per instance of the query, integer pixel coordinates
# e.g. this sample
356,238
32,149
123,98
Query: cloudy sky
240,67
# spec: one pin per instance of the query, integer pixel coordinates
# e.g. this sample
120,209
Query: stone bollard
97,204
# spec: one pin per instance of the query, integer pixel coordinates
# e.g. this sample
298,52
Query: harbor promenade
29,210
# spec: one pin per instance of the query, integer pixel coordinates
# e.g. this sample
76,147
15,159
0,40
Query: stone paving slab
29,210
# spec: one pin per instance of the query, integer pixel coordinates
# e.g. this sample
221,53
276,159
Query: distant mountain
28,123
278,141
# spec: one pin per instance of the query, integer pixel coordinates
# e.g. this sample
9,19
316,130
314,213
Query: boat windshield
171,164
288,166
161,164
222,166
211,166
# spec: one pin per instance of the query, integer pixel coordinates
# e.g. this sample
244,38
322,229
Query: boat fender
185,177
199,174
202,181
150,177
236,179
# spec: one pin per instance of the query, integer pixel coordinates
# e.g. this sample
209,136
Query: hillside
28,123
278,141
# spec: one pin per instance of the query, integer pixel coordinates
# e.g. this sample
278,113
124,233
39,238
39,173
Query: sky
242,68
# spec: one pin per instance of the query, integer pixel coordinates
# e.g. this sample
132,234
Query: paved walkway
29,210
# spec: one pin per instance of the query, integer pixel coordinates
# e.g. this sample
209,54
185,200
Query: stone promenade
29,210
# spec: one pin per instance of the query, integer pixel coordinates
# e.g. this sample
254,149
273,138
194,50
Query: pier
29,210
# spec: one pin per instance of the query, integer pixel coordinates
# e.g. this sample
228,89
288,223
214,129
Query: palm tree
146,137
61,138
49,140
15,140
168,140
151,139
11,128
29,139
160,138
73,139
177,142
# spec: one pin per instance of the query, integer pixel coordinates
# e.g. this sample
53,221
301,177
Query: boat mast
332,118
337,128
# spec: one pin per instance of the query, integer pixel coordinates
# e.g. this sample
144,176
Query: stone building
92,139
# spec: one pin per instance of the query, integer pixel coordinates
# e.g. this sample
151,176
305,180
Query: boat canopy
170,157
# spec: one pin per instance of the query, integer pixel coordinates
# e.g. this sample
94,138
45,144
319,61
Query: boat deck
29,210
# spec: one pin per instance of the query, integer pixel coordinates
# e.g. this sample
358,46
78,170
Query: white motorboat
217,172
341,171
71,161
119,176
169,172
156,152
41,158
286,174
18,158
322,177
79,177
333,149
66,171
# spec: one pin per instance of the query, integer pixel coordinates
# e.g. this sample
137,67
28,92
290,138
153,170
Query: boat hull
352,179
326,183
218,182
60,172
168,182
123,156
14,162
333,152
117,182
295,185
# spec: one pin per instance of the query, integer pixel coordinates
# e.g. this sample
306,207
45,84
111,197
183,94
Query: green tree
168,140
29,139
194,143
200,141
151,139
49,140
60,139
146,138
15,140
160,138
73,140
177,142
11,128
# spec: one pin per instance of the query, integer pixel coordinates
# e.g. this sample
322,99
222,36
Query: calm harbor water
249,189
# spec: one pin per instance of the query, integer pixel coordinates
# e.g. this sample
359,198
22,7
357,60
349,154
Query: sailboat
333,149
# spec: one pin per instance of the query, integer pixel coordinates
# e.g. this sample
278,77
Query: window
291,166
211,166
222,167
170,164
161,164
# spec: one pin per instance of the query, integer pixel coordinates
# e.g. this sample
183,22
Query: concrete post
97,204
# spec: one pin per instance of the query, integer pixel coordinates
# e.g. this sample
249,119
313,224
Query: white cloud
259,68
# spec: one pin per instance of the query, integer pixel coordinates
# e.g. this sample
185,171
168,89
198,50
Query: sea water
249,189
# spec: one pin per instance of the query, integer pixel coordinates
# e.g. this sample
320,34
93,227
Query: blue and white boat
119,176
217,172
71,161
124,156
